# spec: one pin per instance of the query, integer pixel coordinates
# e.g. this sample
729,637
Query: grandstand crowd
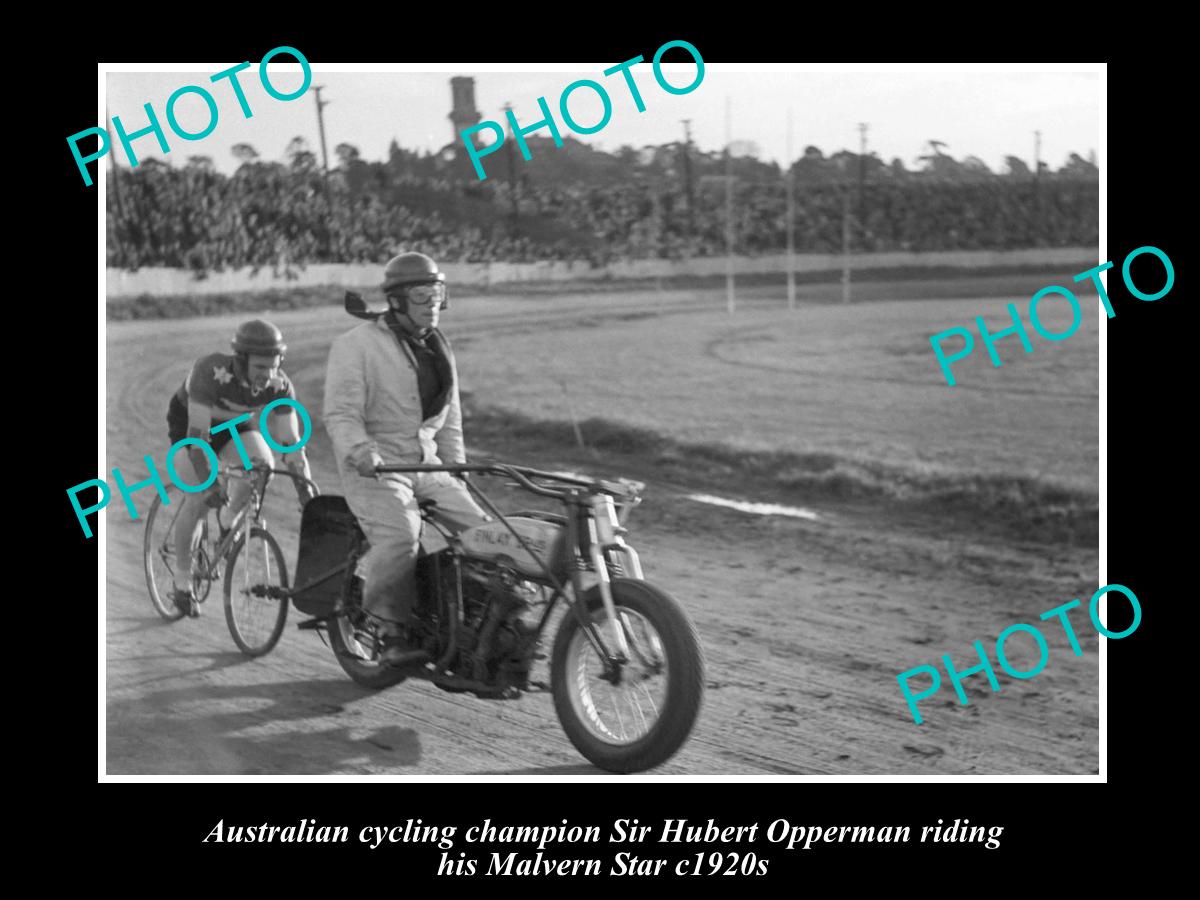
291,213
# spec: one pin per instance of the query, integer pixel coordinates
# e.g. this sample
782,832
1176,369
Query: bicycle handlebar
243,472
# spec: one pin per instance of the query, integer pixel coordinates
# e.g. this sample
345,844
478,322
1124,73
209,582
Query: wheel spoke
637,706
167,559
599,702
254,608
158,554
616,709
649,699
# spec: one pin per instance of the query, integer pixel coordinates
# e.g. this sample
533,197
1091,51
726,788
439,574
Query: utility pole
512,165
862,151
845,243
1037,181
687,175
791,215
728,208
862,178
116,189
321,104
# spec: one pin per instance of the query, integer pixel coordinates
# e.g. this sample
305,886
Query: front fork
629,566
610,608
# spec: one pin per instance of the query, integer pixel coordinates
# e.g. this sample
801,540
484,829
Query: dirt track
805,625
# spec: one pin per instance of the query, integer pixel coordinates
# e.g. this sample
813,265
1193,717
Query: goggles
424,294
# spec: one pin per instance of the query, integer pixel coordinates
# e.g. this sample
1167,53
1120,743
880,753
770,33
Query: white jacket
372,404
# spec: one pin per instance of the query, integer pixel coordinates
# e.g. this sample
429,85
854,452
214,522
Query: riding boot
400,645
400,650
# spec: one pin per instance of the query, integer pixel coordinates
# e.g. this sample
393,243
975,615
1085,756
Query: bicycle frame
251,511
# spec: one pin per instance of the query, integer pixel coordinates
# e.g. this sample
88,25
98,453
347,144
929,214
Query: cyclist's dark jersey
214,383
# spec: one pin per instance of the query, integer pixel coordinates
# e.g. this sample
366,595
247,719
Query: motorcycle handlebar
521,474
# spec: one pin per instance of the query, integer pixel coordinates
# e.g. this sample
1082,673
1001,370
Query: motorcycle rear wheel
357,654
661,688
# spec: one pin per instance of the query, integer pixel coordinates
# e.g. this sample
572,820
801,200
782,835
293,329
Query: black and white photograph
663,417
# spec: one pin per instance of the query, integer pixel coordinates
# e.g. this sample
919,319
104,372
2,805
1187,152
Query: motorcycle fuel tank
495,542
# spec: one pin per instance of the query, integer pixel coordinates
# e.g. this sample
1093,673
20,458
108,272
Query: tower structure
463,113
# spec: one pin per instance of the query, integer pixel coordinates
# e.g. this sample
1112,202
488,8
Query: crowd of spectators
272,214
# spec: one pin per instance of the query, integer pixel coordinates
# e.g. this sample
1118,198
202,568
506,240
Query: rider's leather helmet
410,269
258,336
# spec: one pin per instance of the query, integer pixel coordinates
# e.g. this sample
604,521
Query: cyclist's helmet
259,337
410,269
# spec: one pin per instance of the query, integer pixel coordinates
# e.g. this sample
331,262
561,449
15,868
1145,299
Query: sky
989,112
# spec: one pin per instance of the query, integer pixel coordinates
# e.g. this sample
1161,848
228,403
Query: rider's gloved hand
366,464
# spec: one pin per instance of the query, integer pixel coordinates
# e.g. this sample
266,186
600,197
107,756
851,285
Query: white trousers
388,514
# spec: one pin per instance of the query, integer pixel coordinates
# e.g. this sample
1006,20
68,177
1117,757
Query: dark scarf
443,360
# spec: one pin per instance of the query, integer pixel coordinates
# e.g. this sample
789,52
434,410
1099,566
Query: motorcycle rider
391,395
221,387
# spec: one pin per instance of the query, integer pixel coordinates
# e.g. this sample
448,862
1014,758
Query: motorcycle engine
496,642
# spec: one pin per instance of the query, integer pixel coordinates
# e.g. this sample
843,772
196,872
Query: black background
158,827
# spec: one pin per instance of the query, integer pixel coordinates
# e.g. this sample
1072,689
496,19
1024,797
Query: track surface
805,626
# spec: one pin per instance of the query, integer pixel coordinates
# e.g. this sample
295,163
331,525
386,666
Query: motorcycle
626,667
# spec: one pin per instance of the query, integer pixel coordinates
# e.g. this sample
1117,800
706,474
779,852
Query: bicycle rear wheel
158,554
256,592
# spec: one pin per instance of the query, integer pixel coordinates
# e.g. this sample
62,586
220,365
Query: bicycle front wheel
158,555
256,592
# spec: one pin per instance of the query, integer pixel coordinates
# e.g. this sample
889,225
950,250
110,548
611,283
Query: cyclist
391,394
221,387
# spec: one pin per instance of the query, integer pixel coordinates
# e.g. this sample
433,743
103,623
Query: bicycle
244,554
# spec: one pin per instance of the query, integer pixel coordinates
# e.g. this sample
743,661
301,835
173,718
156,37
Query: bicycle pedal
312,625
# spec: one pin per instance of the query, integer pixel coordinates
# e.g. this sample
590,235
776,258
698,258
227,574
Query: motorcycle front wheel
641,721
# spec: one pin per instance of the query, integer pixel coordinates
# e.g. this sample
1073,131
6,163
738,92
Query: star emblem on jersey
222,375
